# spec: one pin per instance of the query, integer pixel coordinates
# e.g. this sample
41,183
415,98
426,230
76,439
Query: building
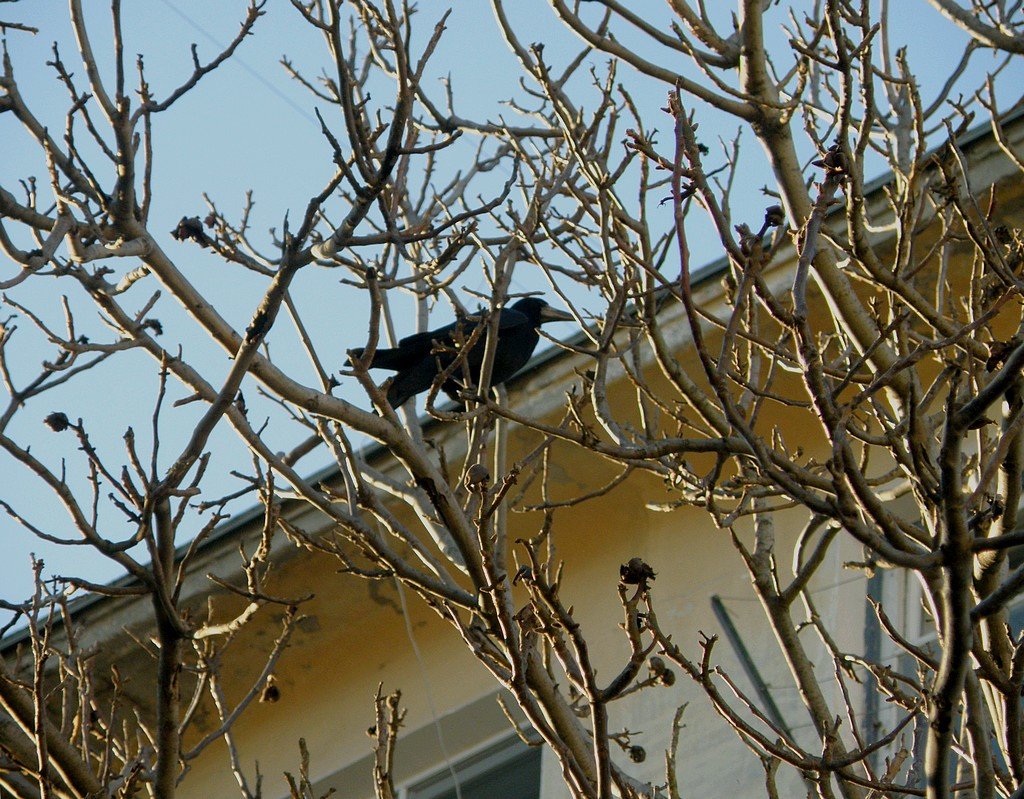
357,634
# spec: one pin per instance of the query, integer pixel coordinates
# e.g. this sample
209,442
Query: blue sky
248,126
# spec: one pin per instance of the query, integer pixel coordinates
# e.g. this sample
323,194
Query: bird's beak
549,314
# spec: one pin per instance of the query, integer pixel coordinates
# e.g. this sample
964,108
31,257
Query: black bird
420,358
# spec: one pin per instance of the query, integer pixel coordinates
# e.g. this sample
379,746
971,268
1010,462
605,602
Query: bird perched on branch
420,358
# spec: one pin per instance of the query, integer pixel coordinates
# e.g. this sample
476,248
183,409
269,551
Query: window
919,630
509,769
489,760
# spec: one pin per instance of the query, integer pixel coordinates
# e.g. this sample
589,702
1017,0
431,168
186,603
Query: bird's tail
382,358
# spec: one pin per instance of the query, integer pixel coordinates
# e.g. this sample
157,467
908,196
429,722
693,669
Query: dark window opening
509,770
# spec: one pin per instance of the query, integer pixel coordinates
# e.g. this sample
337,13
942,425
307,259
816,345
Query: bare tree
884,324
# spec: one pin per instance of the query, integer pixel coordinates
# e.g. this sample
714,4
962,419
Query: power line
241,62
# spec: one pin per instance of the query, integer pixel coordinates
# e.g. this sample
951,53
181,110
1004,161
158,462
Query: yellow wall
355,638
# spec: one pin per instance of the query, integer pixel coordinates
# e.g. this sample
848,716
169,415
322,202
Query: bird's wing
419,346
422,343
410,350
